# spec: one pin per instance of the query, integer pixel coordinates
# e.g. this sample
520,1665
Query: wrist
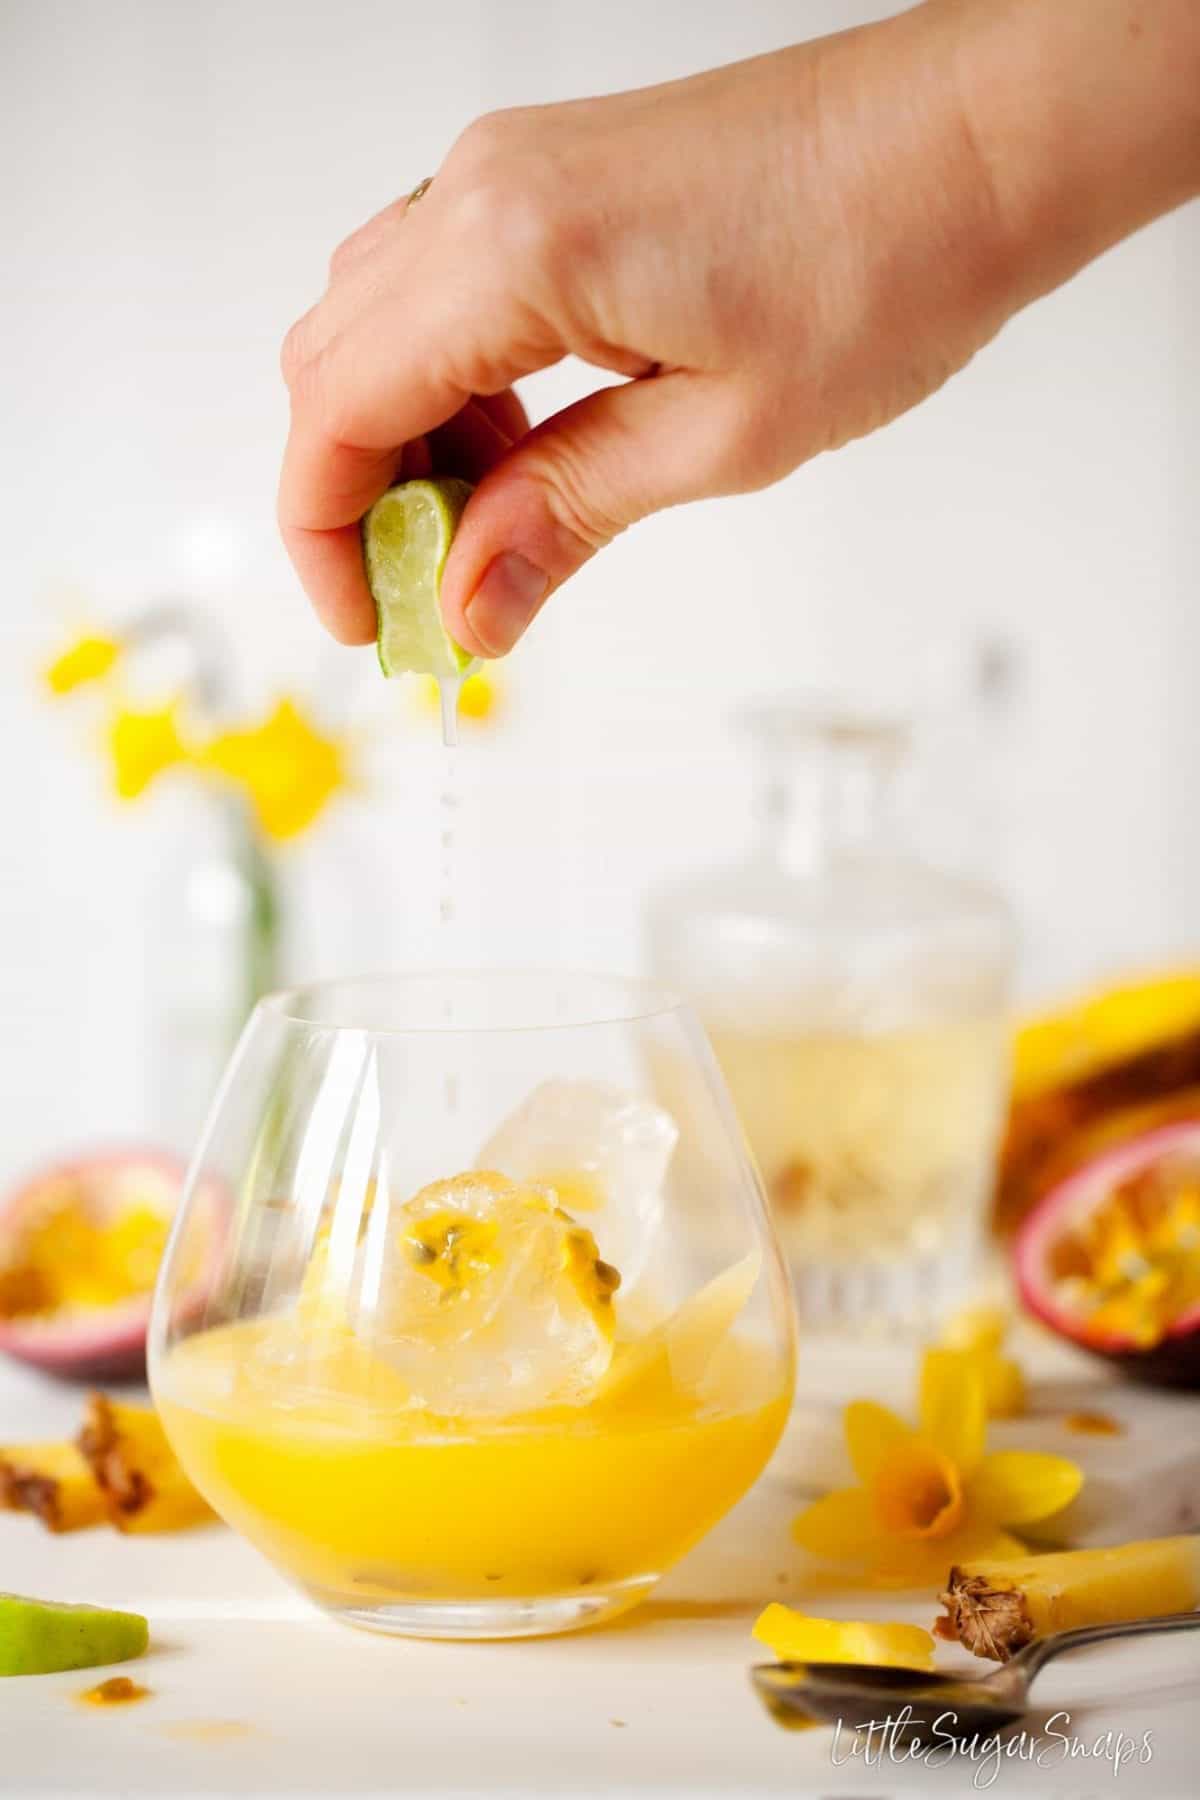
1084,118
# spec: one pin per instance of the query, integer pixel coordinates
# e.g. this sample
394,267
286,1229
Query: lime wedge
40,1637
406,538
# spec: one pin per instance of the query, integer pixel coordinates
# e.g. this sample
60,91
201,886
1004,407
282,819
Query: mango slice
796,1638
40,1637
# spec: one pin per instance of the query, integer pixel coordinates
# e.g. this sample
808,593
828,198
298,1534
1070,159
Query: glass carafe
857,1002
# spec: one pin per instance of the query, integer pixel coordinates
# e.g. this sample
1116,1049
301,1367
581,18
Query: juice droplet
1094,1424
207,1731
449,802
449,688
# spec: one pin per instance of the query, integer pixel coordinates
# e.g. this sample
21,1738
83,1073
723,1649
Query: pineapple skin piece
53,1481
995,1608
143,1485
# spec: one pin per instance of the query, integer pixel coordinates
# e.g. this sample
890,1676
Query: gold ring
419,192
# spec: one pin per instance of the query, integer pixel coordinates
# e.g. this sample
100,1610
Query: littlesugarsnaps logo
896,1738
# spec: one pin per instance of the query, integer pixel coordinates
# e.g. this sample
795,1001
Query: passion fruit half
1110,1257
80,1245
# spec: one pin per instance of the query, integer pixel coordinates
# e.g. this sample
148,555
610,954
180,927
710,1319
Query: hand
781,256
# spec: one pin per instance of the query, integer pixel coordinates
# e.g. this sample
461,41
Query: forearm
1085,118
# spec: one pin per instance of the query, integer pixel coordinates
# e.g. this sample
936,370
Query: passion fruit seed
70,1253
118,1690
1094,1424
1133,1266
594,1280
452,1249
490,1297
80,1246
1110,1258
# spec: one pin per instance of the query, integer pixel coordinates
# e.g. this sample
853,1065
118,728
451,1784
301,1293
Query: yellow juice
363,1500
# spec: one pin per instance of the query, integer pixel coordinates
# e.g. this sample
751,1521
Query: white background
172,179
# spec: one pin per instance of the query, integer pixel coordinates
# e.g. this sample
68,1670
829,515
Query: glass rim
603,1000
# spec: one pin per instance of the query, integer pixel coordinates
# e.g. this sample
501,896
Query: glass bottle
857,1002
213,951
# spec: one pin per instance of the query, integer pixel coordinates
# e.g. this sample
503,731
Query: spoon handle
1043,1650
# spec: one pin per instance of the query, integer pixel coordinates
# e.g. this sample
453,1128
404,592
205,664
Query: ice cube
603,1151
489,1299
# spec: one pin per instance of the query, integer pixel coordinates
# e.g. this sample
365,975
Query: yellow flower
978,1333
796,1638
142,745
288,769
976,1328
932,1496
88,659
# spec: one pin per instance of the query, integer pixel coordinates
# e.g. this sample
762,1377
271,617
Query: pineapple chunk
143,1485
996,1607
52,1480
680,1351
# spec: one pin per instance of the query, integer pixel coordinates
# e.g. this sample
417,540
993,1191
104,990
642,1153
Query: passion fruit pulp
1110,1258
80,1245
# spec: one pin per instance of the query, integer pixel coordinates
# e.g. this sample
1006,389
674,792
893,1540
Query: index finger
341,455
392,374
329,562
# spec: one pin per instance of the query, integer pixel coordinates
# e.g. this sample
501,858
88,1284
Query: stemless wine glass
439,1328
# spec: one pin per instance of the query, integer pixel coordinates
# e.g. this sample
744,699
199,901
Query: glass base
500,1618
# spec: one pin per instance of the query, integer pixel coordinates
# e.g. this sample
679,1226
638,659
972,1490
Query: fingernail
505,601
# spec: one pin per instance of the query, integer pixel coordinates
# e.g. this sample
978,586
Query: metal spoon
963,1706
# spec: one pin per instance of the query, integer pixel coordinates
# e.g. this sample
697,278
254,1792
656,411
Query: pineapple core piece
995,1608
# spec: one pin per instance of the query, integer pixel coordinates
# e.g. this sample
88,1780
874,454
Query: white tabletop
254,1694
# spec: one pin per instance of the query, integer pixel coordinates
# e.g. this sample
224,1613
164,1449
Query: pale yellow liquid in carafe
871,1146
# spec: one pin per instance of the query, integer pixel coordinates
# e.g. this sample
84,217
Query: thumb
569,487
